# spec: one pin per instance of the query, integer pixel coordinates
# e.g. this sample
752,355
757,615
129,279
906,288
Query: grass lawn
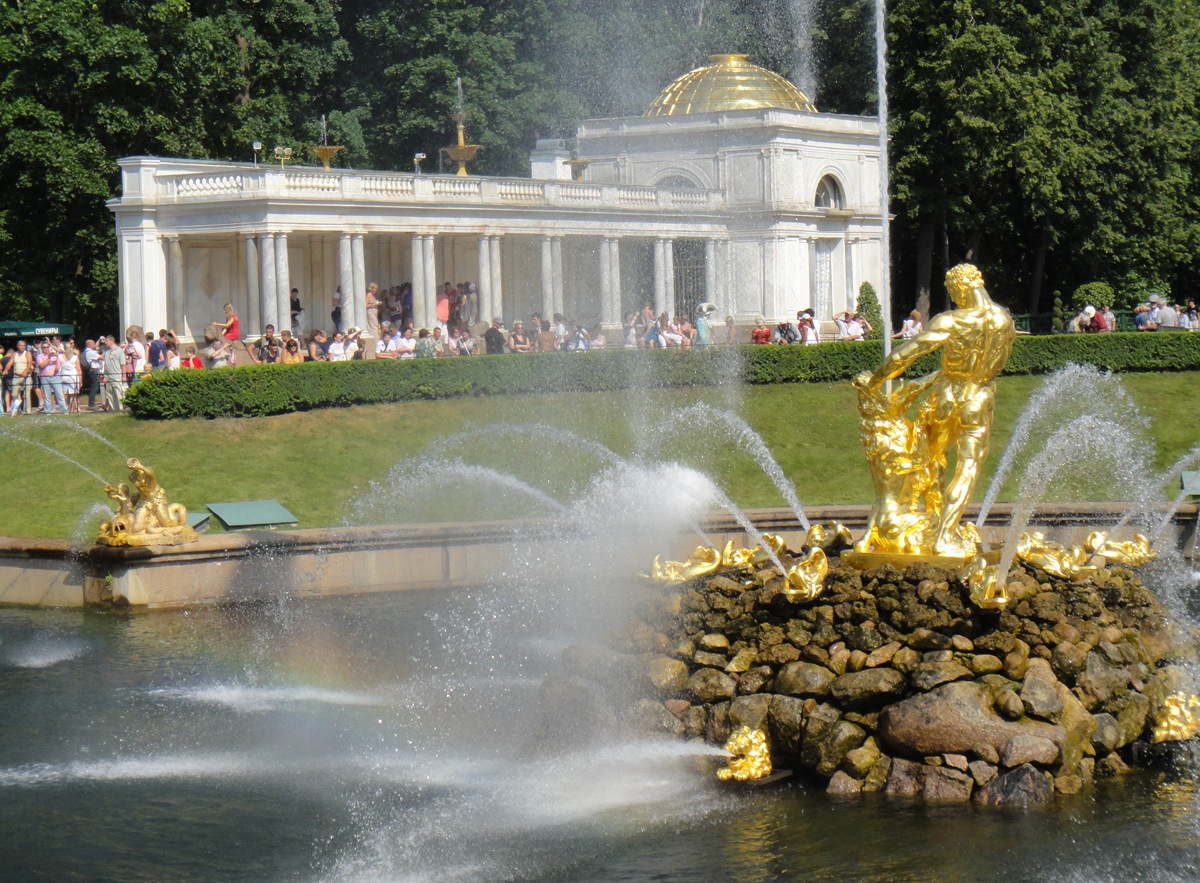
359,464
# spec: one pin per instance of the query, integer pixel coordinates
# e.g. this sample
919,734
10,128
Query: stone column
431,285
669,274
615,259
178,296
483,285
606,292
547,277
557,265
345,280
267,303
804,274
417,251
283,285
497,278
251,281
710,271
359,272
660,276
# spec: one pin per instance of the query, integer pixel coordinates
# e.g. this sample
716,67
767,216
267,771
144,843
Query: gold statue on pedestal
144,518
919,506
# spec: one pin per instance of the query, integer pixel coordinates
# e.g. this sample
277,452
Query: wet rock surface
893,681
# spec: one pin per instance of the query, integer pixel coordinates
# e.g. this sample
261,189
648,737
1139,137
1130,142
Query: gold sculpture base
144,518
900,560
184,535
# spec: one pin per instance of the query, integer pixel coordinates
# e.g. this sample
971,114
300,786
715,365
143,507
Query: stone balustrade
199,182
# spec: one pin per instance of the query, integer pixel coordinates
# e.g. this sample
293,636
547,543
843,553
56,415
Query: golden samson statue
910,430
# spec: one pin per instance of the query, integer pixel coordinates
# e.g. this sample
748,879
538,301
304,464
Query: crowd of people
851,325
53,374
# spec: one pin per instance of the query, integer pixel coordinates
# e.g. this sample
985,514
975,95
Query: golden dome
729,83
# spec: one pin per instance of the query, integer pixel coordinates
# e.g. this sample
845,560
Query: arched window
678,182
829,194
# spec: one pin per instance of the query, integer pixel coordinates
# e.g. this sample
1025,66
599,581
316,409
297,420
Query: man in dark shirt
157,356
494,338
260,349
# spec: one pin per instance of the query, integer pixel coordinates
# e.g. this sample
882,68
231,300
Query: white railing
184,182
637,197
587,194
312,182
522,191
204,185
456,186
388,185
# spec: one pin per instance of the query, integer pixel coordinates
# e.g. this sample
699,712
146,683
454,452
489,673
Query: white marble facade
761,211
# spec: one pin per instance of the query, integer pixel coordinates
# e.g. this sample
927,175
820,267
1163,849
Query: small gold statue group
144,518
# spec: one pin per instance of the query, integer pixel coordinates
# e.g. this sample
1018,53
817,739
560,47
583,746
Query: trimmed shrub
1099,294
260,390
868,305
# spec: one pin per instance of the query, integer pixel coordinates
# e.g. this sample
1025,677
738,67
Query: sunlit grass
332,466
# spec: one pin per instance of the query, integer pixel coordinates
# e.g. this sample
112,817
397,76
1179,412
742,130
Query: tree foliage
1054,142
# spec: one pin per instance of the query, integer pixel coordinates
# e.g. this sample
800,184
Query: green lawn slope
335,466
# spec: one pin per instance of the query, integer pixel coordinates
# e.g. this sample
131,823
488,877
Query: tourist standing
157,356
373,305
91,362
113,362
72,376
48,367
704,323
297,314
336,313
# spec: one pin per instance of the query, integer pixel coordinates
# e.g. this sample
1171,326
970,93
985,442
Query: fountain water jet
1057,399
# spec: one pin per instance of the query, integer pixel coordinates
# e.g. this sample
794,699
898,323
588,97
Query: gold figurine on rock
919,506
144,518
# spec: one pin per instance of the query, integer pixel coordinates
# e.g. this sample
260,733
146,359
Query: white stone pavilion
731,189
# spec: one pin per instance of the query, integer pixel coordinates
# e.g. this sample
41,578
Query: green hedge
259,390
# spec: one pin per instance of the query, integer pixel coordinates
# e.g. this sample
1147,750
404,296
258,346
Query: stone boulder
1024,786
1024,748
803,679
933,674
785,725
710,685
953,719
866,690
668,675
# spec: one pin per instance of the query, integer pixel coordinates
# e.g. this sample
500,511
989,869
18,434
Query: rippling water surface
393,738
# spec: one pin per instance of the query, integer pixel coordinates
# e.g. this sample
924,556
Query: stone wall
892,681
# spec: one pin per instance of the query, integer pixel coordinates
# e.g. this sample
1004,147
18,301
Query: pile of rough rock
892,681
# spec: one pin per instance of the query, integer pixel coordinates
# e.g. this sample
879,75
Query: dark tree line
1055,143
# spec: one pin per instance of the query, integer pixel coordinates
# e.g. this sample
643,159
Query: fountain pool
328,740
